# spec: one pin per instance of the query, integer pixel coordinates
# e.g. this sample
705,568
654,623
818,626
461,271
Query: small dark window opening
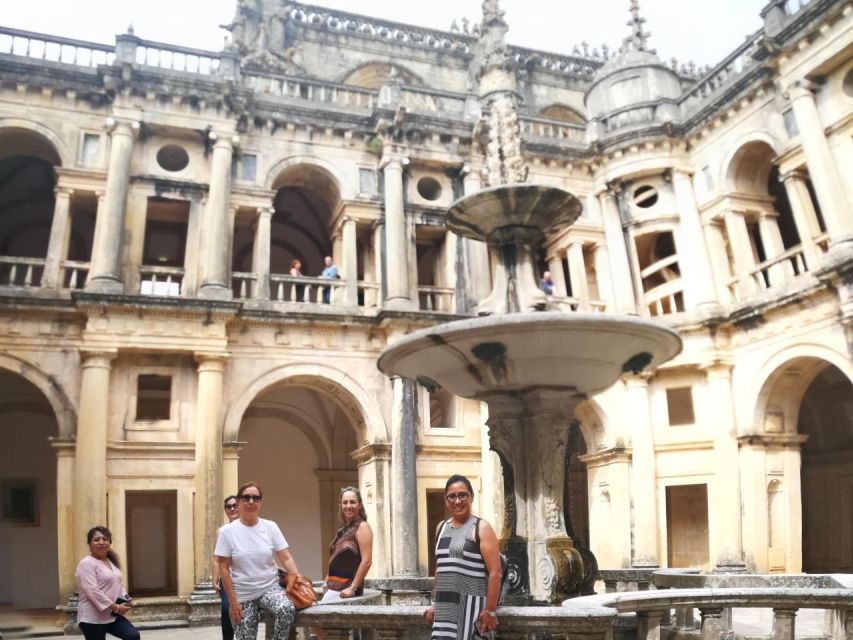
153,398
429,189
645,197
679,402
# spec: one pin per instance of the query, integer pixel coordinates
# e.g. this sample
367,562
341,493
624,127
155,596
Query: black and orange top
345,557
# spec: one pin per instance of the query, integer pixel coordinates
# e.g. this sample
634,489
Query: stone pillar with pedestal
643,471
261,254
90,465
771,240
404,500
694,258
214,269
349,239
398,287
105,268
805,217
741,248
828,183
208,464
57,245
726,516
620,269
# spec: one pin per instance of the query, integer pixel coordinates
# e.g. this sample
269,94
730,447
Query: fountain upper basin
538,207
519,351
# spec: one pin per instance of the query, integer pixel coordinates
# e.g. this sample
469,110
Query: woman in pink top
103,599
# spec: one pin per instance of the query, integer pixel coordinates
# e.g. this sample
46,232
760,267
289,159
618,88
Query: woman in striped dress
468,570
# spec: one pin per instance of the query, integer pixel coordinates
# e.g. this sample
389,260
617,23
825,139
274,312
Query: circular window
173,158
847,83
645,197
429,189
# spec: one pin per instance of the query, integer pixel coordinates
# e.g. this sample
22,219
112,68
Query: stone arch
563,113
47,144
309,172
63,409
593,424
279,411
746,168
784,379
372,75
361,409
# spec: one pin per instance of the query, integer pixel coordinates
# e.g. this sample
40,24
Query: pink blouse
100,585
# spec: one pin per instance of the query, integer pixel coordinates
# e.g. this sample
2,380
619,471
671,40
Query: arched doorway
299,441
826,417
28,513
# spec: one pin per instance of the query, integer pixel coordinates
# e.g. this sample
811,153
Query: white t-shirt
251,550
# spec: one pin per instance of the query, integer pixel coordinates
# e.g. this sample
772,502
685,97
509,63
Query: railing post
648,625
126,44
684,619
712,623
783,624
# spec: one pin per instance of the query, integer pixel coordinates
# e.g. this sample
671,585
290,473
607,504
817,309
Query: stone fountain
529,364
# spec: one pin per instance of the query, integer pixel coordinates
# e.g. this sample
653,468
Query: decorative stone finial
130,29
492,12
638,40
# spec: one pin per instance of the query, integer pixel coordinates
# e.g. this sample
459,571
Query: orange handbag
299,589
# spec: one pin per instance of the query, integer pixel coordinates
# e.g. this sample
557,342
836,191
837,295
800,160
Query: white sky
700,30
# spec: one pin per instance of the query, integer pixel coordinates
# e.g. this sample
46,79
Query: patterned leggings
275,601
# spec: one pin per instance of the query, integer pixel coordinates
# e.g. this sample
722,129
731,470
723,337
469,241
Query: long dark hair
112,556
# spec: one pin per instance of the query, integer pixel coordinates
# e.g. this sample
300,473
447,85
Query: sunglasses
462,496
230,506
251,498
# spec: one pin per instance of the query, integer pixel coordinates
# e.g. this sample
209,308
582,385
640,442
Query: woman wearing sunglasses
468,570
248,551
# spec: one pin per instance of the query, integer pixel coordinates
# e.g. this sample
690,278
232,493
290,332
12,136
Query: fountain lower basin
516,352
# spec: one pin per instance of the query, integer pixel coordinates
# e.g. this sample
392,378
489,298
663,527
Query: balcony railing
552,129
570,304
436,298
243,285
368,294
665,298
776,270
305,289
176,58
74,274
39,46
312,90
731,67
160,281
21,272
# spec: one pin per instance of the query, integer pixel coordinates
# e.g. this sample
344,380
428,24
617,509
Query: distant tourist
330,272
351,551
103,599
248,551
547,284
231,507
468,570
296,272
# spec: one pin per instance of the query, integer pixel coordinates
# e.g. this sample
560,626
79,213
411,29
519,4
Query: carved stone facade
158,349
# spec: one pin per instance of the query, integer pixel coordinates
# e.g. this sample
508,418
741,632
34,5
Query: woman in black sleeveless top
351,552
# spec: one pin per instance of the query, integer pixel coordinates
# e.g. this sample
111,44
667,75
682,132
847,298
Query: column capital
211,360
719,367
61,191
613,189
223,139
267,212
395,160
801,89
794,175
120,126
97,358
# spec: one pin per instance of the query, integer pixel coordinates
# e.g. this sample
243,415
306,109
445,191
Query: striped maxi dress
461,579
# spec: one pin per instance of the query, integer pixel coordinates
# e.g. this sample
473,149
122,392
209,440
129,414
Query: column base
205,605
215,292
400,304
730,566
105,284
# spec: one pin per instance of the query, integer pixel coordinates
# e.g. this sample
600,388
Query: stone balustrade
291,88
160,281
437,298
39,46
74,274
176,58
21,272
709,85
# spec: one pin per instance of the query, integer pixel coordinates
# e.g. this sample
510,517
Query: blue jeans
120,628
227,627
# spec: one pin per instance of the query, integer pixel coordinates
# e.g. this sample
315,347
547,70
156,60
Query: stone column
90,466
350,263
105,268
378,259
741,251
555,266
792,461
602,272
57,246
725,517
67,553
644,481
620,270
478,279
214,247
208,463
805,217
449,275
397,248
694,258
261,254
753,455
826,178
771,239
577,274
404,512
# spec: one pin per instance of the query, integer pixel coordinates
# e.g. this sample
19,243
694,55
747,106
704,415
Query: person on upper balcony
547,284
330,272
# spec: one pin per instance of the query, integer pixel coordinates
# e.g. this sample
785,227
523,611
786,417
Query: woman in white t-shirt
248,551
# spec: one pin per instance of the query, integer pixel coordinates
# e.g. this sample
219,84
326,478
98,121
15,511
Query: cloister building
155,350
